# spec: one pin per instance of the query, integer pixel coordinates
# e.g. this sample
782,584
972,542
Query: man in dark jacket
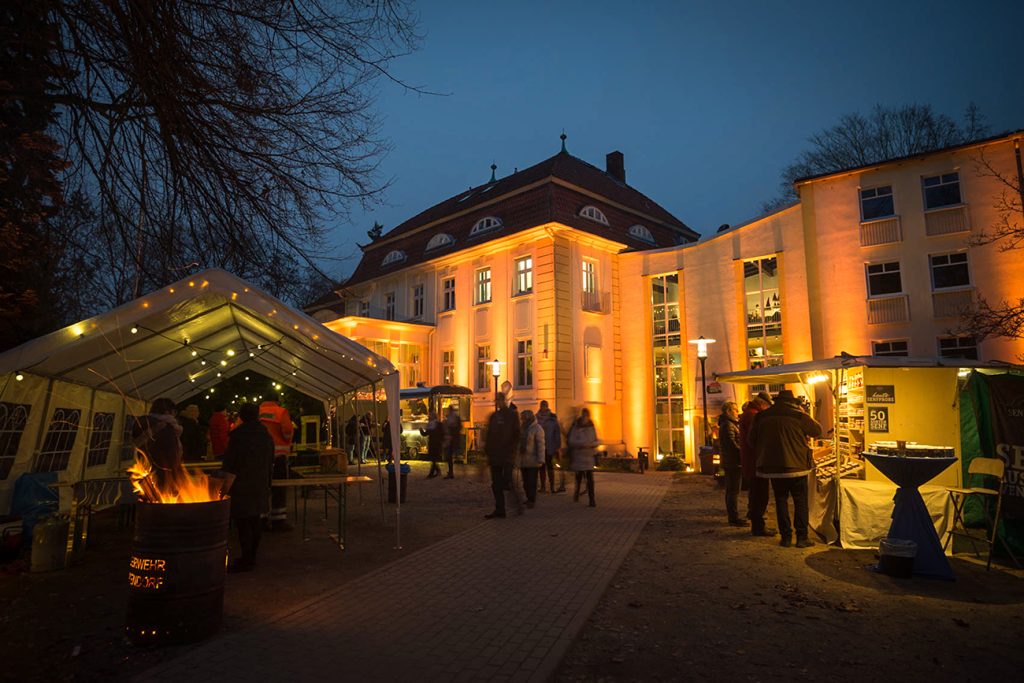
500,446
248,463
729,442
757,487
552,444
779,437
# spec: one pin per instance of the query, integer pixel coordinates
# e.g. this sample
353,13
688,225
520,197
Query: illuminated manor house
587,291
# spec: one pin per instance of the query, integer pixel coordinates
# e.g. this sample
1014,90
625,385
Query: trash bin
896,557
643,459
390,467
706,456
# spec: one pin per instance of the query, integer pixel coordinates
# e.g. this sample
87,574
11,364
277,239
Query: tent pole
377,439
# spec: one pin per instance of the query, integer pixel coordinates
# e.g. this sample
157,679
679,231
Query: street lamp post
702,356
496,373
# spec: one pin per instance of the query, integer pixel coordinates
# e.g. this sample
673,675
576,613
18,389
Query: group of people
359,441
767,445
443,439
532,443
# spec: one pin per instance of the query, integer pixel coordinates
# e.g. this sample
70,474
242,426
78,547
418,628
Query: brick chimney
615,166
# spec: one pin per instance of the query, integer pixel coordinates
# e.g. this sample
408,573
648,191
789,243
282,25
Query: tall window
669,425
958,347
876,203
364,308
417,301
389,306
409,369
13,418
59,440
483,368
483,286
591,297
99,439
898,347
763,312
448,294
941,190
524,275
884,278
524,363
950,270
448,367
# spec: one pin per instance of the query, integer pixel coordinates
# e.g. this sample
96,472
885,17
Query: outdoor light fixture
702,356
218,374
18,376
963,372
817,379
246,379
212,390
252,355
223,362
495,372
194,353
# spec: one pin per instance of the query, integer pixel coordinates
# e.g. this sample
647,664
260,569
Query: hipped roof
792,373
208,313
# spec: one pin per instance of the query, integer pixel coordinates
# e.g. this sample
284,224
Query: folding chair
985,467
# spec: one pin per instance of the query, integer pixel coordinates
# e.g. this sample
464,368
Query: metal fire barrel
176,571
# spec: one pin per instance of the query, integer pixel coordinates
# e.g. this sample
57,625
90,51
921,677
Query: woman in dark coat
729,443
435,434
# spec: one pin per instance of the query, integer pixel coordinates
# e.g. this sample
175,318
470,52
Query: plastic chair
985,467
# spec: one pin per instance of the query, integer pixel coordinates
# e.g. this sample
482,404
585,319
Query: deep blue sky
707,100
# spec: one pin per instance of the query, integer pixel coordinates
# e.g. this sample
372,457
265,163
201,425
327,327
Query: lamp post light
496,373
702,356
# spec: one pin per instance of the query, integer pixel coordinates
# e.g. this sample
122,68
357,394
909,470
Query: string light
223,362
18,376
194,353
231,352
134,330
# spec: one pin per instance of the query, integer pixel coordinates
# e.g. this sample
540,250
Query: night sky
708,101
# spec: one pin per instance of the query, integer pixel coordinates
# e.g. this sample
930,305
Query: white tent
66,398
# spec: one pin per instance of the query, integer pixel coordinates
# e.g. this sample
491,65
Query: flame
177,486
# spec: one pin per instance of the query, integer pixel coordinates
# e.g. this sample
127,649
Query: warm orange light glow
179,485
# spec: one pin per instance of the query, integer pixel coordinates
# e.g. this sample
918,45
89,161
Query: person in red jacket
217,432
277,421
757,487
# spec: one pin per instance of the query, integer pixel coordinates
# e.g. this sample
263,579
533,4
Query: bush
616,464
670,464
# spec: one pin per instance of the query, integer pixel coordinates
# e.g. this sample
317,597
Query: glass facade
669,415
763,308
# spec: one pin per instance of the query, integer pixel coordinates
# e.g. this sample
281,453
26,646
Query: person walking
500,446
434,431
248,464
279,424
780,436
386,442
218,431
729,443
352,439
531,454
548,421
453,434
757,487
582,441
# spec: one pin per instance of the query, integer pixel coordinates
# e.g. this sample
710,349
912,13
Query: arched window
485,224
594,214
641,233
441,239
395,256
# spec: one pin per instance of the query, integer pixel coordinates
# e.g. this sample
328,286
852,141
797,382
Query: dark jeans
733,477
249,531
501,475
449,457
589,474
757,503
435,463
530,482
547,471
797,488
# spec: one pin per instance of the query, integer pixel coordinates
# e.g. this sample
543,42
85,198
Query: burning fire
175,486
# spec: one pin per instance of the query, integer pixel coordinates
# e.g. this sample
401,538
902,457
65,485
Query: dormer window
641,233
439,240
394,256
594,214
485,225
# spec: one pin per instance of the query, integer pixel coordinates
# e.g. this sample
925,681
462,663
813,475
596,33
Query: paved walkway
499,602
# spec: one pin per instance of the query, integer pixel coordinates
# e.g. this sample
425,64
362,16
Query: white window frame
364,308
523,269
448,294
876,194
441,239
591,212
483,290
448,366
944,179
883,264
962,258
524,364
389,306
883,347
418,300
485,224
482,368
959,346
394,256
641,233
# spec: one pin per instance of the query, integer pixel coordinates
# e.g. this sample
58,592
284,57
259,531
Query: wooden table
332,485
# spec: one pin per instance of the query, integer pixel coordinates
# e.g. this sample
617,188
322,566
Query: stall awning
792,373
155,346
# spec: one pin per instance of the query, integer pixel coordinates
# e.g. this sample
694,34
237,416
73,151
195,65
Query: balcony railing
884,231
952,304
946,221
596,302
891,309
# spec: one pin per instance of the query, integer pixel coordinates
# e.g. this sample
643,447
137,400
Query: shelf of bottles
850,431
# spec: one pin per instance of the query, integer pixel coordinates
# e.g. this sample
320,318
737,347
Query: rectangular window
589,277
941,190
669,402
417,301
764,312
364,308
389,306
524,363
950,270
13,418
890,348
524,276
483,286
409,369
99,439
483,368
447,367
127,442
59,440
958,347
876,203
884,278
448,294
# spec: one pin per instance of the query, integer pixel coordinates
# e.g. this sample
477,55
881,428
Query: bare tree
886,133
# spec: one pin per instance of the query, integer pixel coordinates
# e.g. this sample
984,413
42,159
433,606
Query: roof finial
494,167
563,136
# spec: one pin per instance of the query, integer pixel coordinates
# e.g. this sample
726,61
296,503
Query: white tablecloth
865,511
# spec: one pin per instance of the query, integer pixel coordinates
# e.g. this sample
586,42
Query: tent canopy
792,373
156,345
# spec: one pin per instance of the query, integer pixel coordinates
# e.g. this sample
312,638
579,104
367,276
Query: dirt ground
694,600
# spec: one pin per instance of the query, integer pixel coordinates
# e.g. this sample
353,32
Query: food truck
416,403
